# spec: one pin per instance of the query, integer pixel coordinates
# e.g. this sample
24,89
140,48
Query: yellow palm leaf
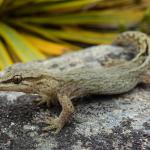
46,46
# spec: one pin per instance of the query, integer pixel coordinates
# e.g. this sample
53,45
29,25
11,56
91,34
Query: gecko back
114,80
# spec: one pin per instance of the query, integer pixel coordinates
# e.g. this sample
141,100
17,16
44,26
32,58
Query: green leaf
71,34
21,48
42,32
112,17
5,59
1,1
41,6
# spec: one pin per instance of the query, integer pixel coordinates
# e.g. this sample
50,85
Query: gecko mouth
15,88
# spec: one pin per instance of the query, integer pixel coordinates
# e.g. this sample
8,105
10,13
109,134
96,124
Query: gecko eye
17,79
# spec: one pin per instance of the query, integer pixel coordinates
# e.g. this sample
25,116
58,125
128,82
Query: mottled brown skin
64,86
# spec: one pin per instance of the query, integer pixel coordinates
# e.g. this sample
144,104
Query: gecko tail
139,43
134,41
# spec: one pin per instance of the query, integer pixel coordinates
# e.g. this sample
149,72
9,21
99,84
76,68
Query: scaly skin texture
63,87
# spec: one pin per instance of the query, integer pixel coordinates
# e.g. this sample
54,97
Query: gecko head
20,80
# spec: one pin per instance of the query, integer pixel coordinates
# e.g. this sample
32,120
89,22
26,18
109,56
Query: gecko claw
53,124
56,131
39,101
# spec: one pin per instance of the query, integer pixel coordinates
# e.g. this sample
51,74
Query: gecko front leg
43,99
67,110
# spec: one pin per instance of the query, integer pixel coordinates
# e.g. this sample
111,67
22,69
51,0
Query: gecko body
64,86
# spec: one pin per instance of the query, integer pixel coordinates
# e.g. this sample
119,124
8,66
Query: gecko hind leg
67,110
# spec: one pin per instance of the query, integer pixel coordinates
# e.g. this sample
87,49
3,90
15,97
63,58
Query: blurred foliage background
37,29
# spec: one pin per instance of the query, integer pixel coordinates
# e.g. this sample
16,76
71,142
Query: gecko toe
53,124
39,102
48,103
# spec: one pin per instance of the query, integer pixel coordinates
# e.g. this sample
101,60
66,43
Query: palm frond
37,29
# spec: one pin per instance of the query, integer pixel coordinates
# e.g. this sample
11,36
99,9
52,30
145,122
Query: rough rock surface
119,122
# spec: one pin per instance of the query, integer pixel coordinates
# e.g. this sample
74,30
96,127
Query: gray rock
119,122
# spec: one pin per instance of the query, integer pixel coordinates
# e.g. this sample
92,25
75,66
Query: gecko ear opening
17,79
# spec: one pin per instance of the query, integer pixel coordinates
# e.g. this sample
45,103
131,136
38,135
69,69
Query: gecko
65,86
